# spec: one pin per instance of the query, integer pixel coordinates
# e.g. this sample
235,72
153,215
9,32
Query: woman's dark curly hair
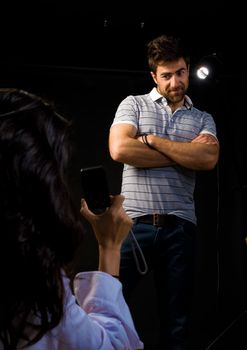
39,224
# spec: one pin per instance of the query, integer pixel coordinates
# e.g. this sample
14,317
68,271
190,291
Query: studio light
209,67
202,72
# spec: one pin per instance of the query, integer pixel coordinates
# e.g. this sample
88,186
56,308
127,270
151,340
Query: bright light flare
202,72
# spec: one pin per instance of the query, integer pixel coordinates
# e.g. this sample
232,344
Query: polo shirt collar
155,96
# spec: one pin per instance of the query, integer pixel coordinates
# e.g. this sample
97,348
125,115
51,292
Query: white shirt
95,318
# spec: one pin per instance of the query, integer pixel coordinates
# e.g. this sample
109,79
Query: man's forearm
133,152
192,155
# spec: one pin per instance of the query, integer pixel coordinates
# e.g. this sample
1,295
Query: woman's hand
110,228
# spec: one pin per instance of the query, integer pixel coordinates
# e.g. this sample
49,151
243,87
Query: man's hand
205,138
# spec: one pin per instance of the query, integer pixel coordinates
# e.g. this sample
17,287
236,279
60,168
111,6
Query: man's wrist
146,141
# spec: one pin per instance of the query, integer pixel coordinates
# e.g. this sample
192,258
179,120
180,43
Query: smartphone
95,188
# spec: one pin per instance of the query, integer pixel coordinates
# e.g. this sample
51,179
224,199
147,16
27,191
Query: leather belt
161,220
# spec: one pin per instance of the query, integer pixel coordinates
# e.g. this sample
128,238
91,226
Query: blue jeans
170,254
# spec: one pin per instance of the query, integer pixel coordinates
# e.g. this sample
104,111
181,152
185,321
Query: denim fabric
170,253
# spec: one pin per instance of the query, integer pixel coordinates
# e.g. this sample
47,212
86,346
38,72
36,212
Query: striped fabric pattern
167,189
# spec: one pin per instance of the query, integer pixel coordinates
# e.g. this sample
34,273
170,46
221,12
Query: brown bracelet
145,140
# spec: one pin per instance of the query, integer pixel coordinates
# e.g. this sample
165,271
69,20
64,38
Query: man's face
172,80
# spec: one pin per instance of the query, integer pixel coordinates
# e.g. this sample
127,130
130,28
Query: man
162,139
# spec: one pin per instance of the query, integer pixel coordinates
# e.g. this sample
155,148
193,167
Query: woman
40,230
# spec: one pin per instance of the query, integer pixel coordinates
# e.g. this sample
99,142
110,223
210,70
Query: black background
87,58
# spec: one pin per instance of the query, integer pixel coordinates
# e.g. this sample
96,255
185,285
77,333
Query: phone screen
95,188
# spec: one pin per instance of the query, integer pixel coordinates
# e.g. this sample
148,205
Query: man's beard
176,96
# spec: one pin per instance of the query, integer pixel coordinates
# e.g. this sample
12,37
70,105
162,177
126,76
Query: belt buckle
155,219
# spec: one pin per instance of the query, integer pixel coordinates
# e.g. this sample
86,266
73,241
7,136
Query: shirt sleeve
127,112
95,318
108,317
208,125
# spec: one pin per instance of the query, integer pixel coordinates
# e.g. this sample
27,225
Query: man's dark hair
165,49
